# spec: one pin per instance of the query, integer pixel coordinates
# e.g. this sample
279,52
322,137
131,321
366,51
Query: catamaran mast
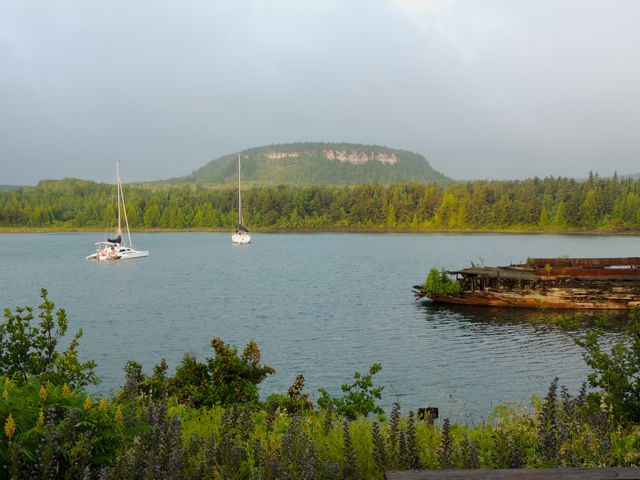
124,209
118,195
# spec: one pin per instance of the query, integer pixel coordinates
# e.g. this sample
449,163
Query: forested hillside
319,164
536,204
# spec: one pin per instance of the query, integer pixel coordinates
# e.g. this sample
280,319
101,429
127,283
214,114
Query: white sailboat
241,235
117,249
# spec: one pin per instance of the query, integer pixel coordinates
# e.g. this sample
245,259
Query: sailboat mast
239,194
118,188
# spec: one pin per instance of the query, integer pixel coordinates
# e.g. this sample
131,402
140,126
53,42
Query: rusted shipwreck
560,283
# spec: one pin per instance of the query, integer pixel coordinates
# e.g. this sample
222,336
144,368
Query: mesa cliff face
319,163
358,157
353,157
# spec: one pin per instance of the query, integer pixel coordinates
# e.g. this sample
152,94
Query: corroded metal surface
585,262
536,300
590,272
578,283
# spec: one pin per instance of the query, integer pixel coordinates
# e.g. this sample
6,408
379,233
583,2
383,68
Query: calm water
324,305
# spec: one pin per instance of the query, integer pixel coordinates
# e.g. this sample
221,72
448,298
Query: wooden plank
520,474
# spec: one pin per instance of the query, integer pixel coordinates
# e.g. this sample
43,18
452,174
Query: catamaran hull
107,257
114,249
136,254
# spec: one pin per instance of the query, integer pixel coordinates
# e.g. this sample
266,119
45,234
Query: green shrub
440,283
295,402
359,398
28,350
616,371
226,379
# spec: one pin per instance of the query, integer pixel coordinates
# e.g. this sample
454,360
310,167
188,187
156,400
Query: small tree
27,350
616,373
226,379
235,378
359,397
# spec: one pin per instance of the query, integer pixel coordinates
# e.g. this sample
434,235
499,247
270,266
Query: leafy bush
440,283
616,373
226,379
295,402
359,398
27,350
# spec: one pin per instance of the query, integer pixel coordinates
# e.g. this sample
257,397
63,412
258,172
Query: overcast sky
481,88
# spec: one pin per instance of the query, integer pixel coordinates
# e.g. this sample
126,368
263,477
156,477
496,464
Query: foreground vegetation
207,421
550,204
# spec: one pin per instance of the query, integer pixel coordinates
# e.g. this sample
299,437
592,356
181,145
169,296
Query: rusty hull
558,283
554,299
586,262
589,272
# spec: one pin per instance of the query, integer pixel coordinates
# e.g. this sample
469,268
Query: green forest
549,204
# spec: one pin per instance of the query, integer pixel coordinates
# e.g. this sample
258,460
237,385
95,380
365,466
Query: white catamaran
241,235
116,249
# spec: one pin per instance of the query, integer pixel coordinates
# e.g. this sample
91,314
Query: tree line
554,204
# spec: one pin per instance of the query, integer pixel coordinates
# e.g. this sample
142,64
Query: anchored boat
561,283
241,236
117,249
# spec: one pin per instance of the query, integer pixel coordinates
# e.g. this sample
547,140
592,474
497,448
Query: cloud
423,7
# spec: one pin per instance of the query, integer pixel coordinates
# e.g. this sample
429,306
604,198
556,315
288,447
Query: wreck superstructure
561,283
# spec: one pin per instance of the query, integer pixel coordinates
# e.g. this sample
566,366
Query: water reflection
612,320
495,352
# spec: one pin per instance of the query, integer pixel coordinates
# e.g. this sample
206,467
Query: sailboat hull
241,238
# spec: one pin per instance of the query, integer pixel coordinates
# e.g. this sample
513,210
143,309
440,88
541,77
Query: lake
325,305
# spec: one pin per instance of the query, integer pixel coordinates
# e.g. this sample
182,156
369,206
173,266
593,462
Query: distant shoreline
407,230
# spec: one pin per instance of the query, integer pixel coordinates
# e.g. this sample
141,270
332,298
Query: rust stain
586,262
572,283
596,272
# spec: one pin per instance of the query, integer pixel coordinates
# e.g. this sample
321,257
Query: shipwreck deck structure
560,283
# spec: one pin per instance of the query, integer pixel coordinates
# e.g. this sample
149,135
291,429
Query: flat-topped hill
319,163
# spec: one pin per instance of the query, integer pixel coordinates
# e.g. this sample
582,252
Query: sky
482,88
